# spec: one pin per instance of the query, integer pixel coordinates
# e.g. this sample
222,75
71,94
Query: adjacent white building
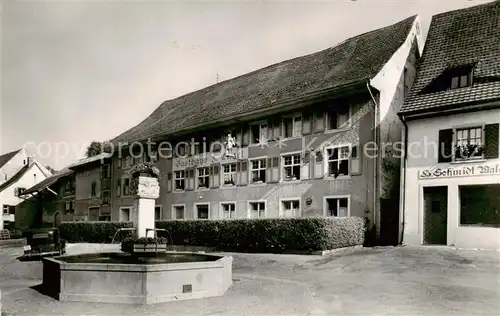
451,172
18,171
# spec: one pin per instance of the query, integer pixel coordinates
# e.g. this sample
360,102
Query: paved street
402,281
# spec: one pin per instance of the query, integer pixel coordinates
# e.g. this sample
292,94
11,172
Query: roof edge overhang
286,105
450,109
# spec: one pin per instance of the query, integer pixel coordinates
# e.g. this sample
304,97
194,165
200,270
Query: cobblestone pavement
364,281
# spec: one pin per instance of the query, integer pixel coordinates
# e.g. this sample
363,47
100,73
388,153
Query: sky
77,71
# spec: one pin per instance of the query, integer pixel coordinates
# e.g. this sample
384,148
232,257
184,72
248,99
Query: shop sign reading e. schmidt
459,171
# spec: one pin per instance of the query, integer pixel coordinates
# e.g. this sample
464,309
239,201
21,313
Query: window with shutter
118,187
491,141
318,165
244,172
319,121
305,167
306,124
445,145
215,176
246,136
190,178
269,170
355,163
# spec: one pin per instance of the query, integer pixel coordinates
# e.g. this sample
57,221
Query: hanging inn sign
460,171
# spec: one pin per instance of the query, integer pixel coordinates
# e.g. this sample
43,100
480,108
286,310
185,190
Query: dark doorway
57,219
435,215
389,222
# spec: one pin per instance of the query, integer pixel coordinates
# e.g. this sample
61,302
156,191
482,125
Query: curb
334,251
13,242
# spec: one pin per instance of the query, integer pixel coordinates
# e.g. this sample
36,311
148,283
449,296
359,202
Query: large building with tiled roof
451,177
299,128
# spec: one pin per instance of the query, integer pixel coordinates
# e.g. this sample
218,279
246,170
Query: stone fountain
132,278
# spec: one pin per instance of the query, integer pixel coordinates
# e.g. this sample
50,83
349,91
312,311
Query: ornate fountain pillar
146,190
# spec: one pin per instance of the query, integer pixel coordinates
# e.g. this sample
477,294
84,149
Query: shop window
480,205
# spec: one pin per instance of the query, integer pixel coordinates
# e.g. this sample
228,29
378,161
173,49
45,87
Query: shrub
266,235
94,232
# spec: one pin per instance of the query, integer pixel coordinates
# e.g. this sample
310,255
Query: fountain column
147,190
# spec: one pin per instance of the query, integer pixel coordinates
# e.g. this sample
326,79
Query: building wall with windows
294,176
452,198
58,199
92,200
9,196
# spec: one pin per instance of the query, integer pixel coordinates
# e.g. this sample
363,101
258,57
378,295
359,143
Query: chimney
30,160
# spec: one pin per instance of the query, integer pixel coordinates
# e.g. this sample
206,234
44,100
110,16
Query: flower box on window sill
144,246
257,181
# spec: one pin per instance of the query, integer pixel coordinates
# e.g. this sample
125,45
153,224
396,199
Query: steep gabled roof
42,185
8,156
15,177
462,38
355,60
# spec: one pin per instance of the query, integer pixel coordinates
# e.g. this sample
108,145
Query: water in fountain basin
125,258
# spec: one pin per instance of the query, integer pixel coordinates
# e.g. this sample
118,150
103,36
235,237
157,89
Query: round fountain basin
116,277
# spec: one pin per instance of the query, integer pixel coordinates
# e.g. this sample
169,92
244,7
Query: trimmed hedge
266,235
254,235
95,232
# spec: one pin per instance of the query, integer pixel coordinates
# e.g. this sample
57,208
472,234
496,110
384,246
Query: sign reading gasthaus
459,171
207,160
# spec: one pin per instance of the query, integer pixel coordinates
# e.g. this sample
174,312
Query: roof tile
460,37
354,60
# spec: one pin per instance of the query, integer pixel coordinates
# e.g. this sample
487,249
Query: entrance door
94,214
435,215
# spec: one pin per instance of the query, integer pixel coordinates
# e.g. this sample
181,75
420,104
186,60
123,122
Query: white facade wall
8,196
421,157
15,164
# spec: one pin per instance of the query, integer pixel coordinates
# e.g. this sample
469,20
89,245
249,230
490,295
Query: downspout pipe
403,184
375,160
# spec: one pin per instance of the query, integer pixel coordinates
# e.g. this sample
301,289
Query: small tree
52,170
94,149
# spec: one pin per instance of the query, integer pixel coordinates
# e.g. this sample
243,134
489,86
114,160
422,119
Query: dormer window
455,77
461,81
